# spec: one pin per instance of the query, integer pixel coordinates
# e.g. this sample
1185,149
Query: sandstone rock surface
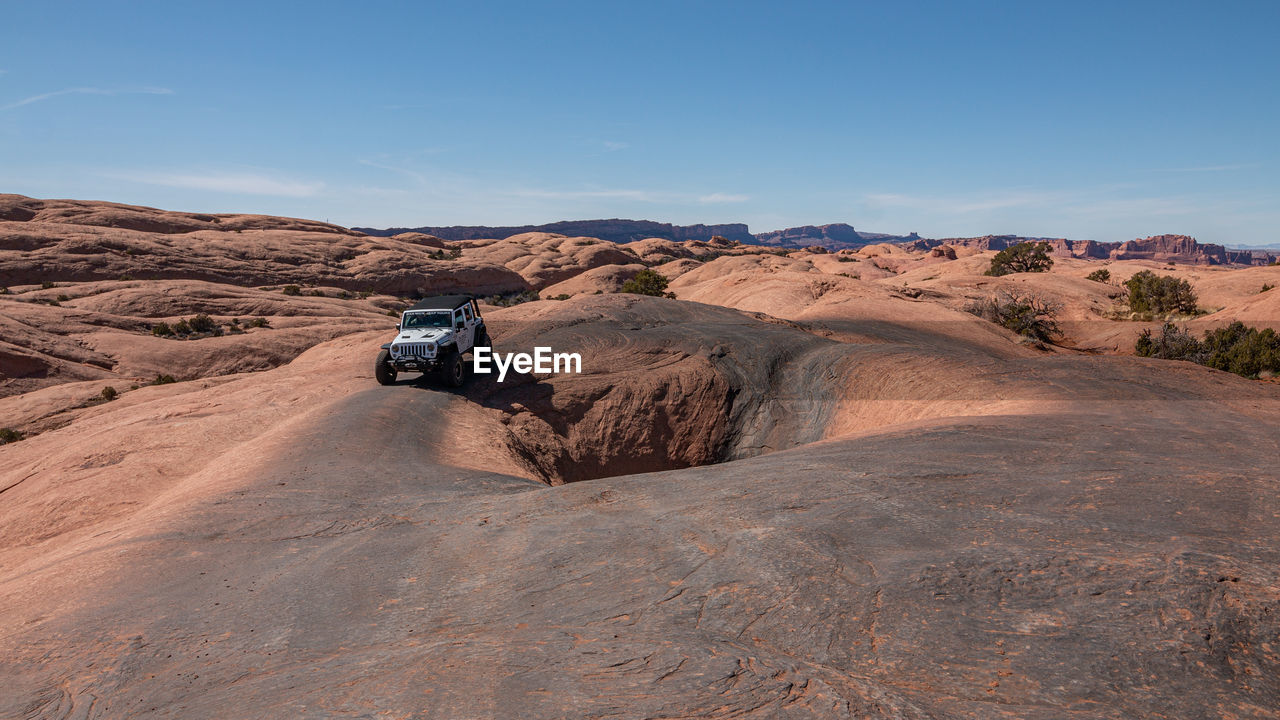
812,486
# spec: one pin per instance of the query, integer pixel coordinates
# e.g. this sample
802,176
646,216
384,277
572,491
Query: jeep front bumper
412,364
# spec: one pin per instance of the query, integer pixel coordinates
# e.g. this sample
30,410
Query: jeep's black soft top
442,302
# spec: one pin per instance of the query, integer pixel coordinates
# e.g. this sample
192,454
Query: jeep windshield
437,319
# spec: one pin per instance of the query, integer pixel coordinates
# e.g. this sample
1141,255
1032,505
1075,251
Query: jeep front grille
423,350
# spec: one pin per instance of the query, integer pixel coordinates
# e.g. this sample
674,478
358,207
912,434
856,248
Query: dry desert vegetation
806,484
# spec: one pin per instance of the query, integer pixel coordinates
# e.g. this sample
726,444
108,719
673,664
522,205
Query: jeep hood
435,335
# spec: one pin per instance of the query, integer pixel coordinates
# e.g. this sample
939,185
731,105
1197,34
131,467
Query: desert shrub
1236,348
364,294
182,327
445,254
54,303
561,296
1173,343
108,394
1265,287
291,290
1023,257
262,322
1026,315
1101,275
125,277
202,323
846,258
1151,293
9,435
161,329
63,298
47,284
4,291
513,299
163,380
1242,350
317,293
646,282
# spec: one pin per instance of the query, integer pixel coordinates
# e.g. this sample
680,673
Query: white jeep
433,335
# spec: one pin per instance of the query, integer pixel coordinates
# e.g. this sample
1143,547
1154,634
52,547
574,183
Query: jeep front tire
383,370
452,370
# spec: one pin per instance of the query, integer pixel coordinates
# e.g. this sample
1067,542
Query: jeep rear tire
482,339
383,370
452,372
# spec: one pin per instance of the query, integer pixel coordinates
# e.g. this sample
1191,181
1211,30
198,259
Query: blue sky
1086,120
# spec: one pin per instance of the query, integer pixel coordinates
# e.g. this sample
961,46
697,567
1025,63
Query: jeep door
464,324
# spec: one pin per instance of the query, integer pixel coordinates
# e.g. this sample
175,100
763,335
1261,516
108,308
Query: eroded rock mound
18,208
543,259
603,279
71,241
104,330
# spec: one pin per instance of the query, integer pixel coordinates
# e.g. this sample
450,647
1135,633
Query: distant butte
842,236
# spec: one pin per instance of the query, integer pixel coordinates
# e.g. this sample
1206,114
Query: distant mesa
836,236
1185,249
615,230
1158,248
842,236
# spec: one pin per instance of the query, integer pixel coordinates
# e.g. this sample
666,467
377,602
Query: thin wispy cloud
1148,207
1119,205
1207,168
967,204
233,183
614,145
643,196
636,195
717,198
85,91
417,177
